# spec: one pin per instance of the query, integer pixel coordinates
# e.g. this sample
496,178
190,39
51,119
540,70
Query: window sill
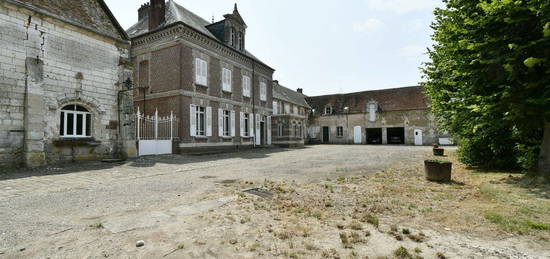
226,137
76,142
201,85
227,92
247,137
200,137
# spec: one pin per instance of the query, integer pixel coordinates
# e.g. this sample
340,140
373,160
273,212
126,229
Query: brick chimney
157,14
276,82
300,90
143,11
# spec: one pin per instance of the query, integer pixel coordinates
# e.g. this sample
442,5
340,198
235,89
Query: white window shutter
269,130
258,133
229,80
204,72
241,128
274,108
209,121
220,122
198,71
251,125
192,120
232,123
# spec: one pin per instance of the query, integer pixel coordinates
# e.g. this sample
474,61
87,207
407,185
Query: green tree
489,80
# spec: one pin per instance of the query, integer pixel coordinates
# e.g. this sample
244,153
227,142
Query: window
75,122
280,128
263,91
201,121
300,130
246,126
246,86
226,123
340,131
226,80
372,112
241,41
328,110
201,72
295,109
287,108
275,109
233,37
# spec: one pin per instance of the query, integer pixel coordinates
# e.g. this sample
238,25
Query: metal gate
155,134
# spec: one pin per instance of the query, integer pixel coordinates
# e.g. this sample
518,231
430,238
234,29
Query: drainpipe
254,101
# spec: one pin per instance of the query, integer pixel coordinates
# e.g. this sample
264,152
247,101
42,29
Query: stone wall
409,120
46,64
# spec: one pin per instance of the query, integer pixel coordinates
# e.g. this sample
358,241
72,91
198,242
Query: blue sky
326,46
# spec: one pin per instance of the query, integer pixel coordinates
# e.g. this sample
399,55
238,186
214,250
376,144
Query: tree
489,80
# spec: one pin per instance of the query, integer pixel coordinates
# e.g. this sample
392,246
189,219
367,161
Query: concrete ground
38,204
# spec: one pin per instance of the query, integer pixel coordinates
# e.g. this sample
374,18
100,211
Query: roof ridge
370,91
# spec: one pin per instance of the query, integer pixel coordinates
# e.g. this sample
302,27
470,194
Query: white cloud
412,51
402,6
370,25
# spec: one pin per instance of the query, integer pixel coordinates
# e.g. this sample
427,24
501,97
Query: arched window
372,112
75,122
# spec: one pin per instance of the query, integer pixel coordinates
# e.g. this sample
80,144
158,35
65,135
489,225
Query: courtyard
194,207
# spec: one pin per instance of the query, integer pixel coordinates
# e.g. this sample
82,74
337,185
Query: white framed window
246,125
280,128
263,91
201,72
75,122
295,109
275,109
227,76
372,112
246,86
340,131
287,108
200,115
328,110
226,130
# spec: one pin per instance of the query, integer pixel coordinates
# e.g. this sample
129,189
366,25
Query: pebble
140,243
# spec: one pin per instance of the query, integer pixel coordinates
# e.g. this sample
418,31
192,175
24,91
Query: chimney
157,15
143,11
276,82
300,90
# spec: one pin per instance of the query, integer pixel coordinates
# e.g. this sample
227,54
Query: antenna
212,16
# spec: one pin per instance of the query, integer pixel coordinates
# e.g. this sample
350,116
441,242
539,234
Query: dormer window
328,110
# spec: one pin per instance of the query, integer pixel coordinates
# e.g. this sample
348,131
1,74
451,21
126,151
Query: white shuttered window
226,80
201,72
263,91
246,86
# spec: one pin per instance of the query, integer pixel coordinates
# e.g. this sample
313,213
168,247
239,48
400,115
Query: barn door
357,135
418,137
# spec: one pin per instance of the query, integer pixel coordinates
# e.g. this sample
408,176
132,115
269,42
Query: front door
357,135
418,137
326,134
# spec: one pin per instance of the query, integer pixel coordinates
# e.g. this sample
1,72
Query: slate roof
176,13
396,99
92,15
282,93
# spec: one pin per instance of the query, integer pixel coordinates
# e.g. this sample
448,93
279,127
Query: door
357,135
418,137
396,136
262,130
326,134
374,136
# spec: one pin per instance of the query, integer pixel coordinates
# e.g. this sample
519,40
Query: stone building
62,64
391,116
203,73
289,121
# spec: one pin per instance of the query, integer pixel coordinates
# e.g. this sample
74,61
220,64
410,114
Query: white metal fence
155,134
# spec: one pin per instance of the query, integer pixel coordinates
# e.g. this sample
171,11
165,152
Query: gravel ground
39,203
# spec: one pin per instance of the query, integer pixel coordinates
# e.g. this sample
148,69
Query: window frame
246,86
226,127
227,80
340,131
87,118
201,72
328,110
263,91
200,116
246,124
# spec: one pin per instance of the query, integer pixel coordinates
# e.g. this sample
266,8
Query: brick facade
172,52
290,117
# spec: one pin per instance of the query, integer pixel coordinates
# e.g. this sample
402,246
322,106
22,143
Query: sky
325,46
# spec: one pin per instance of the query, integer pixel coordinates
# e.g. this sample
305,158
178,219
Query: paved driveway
35,204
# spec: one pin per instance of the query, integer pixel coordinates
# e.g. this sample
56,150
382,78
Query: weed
394,228
316,214
97,225
418,238
440,255
418,250
245,220
371,219
406,231
345,240
403,253
233,241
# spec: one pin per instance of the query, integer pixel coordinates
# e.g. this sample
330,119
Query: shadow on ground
142,162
